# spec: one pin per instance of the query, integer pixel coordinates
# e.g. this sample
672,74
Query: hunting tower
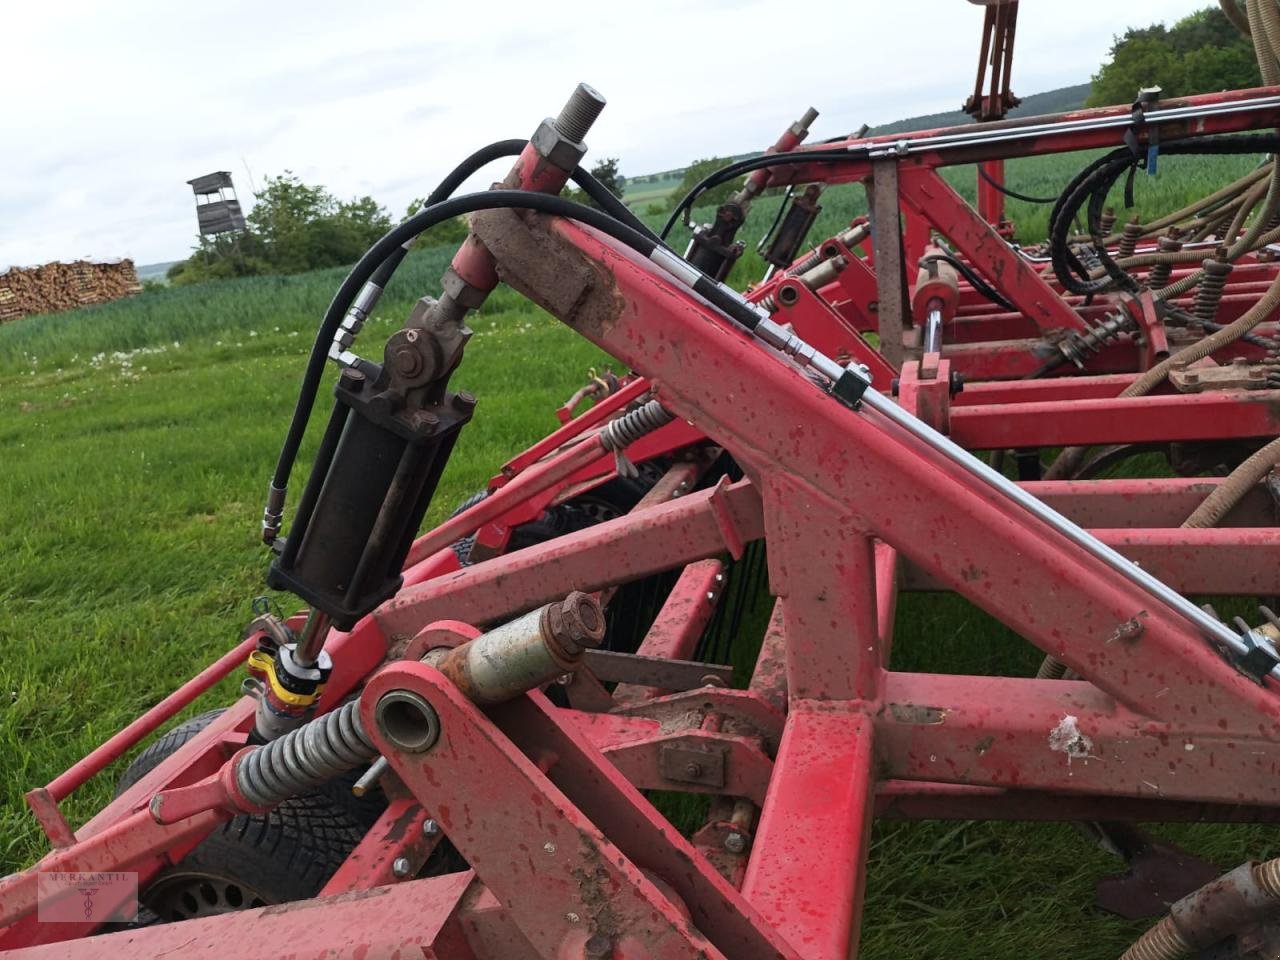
217,208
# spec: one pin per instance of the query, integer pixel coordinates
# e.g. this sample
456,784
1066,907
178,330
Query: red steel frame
568,859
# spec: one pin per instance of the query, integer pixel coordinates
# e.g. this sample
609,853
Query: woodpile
64,286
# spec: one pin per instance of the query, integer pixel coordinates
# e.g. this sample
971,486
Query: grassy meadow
136,441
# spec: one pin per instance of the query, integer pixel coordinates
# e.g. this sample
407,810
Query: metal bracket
689,765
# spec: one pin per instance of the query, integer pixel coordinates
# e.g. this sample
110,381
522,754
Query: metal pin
369,779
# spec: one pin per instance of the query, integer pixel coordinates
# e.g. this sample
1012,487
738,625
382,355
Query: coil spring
1128,239
1209,292
807,264
1078,346
1160,273
626,430
1107,222
1271,366
1161,942
306,757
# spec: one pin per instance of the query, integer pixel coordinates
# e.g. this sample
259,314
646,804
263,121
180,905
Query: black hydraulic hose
351,287
782,208
1094,183
729,172
975,281
610,203
1013,193
430,216
347,293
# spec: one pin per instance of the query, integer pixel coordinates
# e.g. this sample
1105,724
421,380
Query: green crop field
137,439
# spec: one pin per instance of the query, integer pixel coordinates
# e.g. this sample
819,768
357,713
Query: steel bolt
692,769
401,867
735,843
575,624
579,113
430,828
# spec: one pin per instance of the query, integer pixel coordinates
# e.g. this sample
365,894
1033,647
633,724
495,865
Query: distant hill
154,271
639,191
1051,101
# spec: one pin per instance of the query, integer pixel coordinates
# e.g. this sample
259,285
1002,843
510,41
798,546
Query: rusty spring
1128,239
1160,273
1078,346
306,757
1271,366
626,430
1209,292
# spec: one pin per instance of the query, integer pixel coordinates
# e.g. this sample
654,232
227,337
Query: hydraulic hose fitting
273,515
525,653
1209,292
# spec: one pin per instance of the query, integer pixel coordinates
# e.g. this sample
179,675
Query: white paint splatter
1067,738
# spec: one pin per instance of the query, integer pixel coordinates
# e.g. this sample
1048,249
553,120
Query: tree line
296,226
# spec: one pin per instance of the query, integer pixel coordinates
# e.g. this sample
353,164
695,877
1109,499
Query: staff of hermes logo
88,900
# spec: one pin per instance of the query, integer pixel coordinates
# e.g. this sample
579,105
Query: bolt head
406,361
401,867
692,769
430,828
735,843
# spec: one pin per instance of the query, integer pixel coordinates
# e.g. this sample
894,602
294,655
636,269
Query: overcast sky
108,109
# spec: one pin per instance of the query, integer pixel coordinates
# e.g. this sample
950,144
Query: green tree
1201,53
1210,69
293,227
450,231
606,171
695,173
1137,63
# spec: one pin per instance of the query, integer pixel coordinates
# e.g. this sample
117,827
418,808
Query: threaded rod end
579,113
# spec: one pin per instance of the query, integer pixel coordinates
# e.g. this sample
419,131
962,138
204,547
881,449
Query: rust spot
1130,630
916,714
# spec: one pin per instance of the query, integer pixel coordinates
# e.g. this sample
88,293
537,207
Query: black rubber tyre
169,743
251,861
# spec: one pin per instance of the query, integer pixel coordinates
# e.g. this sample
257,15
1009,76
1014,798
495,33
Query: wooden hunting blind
217,209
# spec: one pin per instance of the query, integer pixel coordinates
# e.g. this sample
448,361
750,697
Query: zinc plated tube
1080,537
956,140
933,329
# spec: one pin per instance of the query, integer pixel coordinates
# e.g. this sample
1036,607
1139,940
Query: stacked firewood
64,286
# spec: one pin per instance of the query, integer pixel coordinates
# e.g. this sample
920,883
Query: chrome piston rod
1076,534
1155,117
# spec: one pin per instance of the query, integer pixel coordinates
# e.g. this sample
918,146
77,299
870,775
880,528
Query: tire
253,861
256,860
150,758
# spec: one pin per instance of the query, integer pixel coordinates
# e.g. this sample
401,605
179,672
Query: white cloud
109,109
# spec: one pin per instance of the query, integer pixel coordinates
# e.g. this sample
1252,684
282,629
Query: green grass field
137,439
